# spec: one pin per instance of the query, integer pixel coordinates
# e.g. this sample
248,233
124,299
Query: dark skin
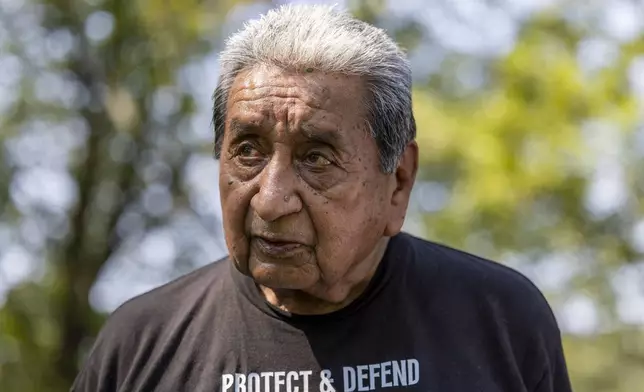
307,210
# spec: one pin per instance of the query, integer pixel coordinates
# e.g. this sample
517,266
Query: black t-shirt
432,319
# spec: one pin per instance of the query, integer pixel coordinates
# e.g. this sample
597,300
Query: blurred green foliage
514,157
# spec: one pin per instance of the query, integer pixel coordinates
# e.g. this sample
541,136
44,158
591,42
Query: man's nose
276,196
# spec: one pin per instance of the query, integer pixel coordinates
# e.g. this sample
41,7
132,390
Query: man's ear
405,176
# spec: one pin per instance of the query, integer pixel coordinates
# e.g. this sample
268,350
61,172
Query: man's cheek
333,245
325,181
234,213
227,181
237,240
236,196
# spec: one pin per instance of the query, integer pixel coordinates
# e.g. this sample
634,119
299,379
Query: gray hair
321,37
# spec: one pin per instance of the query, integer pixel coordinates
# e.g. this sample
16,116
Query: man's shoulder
448,259
151,320
159,305
468,277
487,304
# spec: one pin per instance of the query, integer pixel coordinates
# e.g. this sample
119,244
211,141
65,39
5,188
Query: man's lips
277,247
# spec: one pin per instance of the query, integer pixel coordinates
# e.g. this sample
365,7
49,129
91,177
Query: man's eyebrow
321,135
239,128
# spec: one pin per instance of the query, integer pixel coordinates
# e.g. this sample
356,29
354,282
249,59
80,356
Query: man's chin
282,278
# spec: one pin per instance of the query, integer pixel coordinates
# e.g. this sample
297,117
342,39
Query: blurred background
531,126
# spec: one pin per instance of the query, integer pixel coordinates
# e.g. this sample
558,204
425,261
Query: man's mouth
277,247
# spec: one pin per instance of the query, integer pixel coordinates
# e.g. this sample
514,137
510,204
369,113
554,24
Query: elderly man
321,291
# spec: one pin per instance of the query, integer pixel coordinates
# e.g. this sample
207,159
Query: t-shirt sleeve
131,346
99,371
532,330
87,380
517,313
555,377
110,357
549,354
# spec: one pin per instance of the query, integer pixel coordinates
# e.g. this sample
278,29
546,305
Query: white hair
297,37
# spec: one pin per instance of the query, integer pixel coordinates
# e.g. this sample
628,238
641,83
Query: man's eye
246,154
247,151
316,159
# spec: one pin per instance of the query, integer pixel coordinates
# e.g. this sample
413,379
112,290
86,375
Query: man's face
304,200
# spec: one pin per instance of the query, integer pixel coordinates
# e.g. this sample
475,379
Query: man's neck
327,299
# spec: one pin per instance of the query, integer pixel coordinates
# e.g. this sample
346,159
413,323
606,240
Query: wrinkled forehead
338,94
